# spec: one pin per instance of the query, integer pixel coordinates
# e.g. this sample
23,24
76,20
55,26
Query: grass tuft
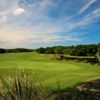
20,88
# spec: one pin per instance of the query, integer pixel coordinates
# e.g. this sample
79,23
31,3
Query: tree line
16,50
79,50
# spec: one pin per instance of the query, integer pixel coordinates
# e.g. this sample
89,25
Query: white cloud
3,16
19,11
13,38
52,39
87,6
3,19
96,11
86,20
36,27
6,10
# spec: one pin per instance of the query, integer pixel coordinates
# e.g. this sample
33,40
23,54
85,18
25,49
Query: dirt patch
93,85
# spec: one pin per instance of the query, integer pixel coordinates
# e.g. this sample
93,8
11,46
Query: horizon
53,46
45,23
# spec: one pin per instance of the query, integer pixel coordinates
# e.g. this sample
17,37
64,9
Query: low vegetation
85,59
22,88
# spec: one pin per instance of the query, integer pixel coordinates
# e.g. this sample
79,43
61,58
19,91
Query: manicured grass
46,71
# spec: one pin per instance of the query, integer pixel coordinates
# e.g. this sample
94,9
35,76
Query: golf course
47,71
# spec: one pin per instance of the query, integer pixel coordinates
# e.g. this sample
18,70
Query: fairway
41,68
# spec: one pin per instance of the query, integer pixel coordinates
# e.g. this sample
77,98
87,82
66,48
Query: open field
46,71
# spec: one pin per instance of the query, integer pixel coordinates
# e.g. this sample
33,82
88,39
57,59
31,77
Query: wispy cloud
85,21
36,22
84,8
17,38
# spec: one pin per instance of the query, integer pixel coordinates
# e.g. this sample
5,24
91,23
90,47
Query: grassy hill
43,69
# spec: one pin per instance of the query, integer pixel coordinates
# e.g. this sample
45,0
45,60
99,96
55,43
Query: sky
42,23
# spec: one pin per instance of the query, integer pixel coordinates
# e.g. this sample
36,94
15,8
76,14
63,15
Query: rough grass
47,71
22,88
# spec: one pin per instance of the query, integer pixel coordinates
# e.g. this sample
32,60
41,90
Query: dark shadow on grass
82,91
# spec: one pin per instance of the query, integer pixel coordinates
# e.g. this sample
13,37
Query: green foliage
41,50
16,50
99,47
2,50
79,50
21,88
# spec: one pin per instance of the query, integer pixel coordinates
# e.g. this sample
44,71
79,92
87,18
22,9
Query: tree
41,50
2,50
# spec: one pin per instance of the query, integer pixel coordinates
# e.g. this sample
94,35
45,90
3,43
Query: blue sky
41,23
